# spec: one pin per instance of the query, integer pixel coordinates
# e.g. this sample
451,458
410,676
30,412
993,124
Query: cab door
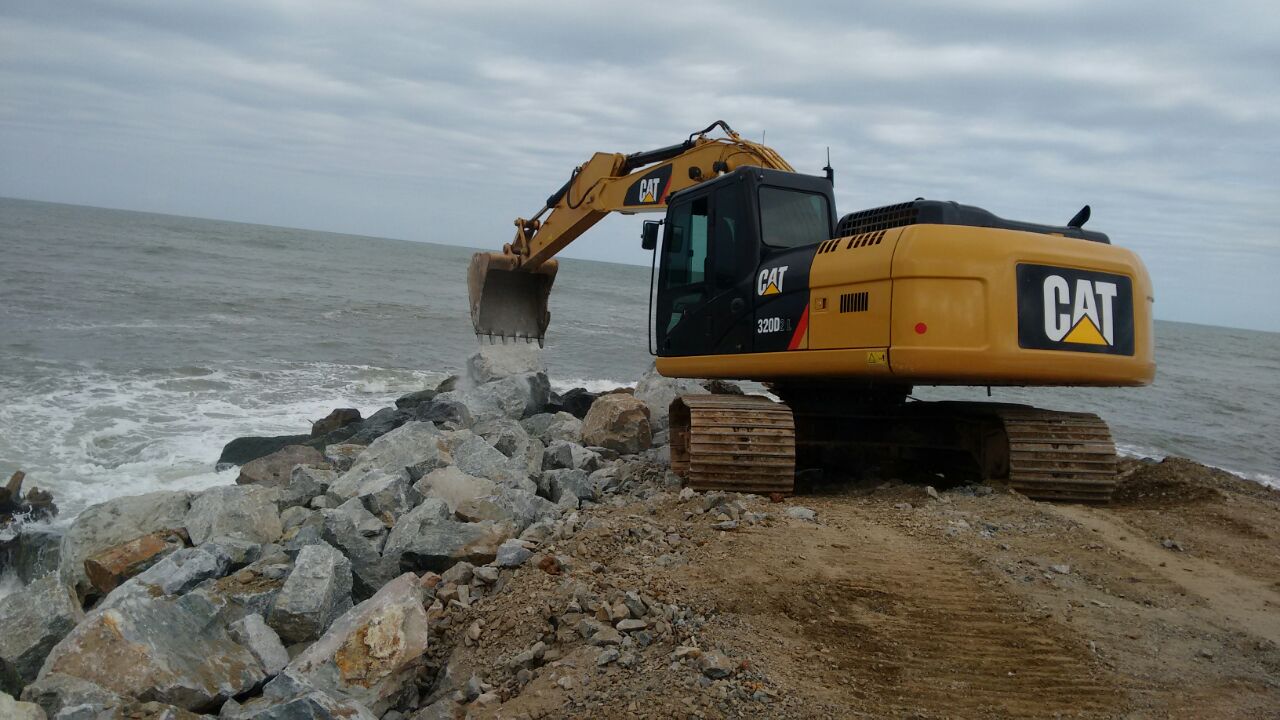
708,256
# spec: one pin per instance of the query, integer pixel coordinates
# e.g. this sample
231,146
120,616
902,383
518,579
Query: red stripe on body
801,328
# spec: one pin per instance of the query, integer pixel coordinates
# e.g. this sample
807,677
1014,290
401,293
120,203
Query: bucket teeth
508,300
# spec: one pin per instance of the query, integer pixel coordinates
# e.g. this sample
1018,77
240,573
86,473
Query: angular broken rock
252,632
428,538
339,418
110,567
176,574
512,553
108,524
11,709
353,530
715,665
32,621
415,447
55,692
798,512
571,455
373,652
453,486
305,482
239,511
273,470
549,428
173,651
317,591
618,422
657,392
494,362
301,703
387,494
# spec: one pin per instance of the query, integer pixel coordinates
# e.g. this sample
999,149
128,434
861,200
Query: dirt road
895,603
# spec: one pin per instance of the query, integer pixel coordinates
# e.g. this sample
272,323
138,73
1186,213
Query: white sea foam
592,385
90,436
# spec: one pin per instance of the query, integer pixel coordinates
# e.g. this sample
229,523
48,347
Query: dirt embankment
897,603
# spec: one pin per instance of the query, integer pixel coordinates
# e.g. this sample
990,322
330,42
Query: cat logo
771,280
649,189
1087,318
1074,310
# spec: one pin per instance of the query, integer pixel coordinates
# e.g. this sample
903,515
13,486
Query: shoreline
529,553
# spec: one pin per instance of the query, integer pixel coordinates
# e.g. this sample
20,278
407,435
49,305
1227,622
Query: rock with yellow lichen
372,653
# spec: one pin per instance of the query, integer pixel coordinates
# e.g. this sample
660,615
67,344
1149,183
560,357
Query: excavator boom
509,290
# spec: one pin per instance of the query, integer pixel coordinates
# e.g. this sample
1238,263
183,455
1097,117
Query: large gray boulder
618,422
657,392
510,438
570,455
248,512
11,709
387,494
474,456
55,692
32,621
172,651
317,591
273,470
252,632
306,705
495,362
113,522
549,427
556,484
373,652
429,538
415,447
513,397
305,482
453,486
176,574
517,508
352,529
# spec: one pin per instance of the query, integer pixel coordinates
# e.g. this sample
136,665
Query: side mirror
649,235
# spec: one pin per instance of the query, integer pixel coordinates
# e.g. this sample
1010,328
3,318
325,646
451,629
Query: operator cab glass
793,218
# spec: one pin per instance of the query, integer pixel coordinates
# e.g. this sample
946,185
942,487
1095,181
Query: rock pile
330,580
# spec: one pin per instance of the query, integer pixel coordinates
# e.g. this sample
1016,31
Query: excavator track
1064,456
740,443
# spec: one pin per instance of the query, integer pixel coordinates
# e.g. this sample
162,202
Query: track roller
733,442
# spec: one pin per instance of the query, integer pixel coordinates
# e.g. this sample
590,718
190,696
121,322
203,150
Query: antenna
830,171
762,134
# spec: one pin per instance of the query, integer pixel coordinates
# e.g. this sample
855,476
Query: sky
443,122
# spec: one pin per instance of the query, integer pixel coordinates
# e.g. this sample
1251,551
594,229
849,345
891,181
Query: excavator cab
712,297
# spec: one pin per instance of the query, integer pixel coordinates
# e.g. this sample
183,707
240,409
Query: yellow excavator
758,278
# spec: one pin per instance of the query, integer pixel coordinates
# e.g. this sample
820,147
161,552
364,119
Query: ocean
134,345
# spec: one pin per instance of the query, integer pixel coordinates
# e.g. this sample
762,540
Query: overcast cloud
444,121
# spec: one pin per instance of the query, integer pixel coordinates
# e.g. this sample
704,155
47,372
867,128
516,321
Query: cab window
792,218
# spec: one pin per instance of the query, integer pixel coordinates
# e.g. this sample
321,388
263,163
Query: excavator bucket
508,302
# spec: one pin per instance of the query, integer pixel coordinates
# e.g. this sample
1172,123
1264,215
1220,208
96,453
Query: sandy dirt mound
892,601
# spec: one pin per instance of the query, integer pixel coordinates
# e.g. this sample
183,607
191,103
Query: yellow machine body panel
959,305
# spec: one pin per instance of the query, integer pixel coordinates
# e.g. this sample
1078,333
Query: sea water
133,346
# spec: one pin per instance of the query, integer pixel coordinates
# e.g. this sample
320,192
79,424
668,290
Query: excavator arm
509,290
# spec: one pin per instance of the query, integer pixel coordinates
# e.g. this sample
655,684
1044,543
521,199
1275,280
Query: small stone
902,506
715,665
1206,654
726,525
688,493
931,492
1171,544
605,636
631,625
1061,569
799,512
565,682
485,574
607,656
512,553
